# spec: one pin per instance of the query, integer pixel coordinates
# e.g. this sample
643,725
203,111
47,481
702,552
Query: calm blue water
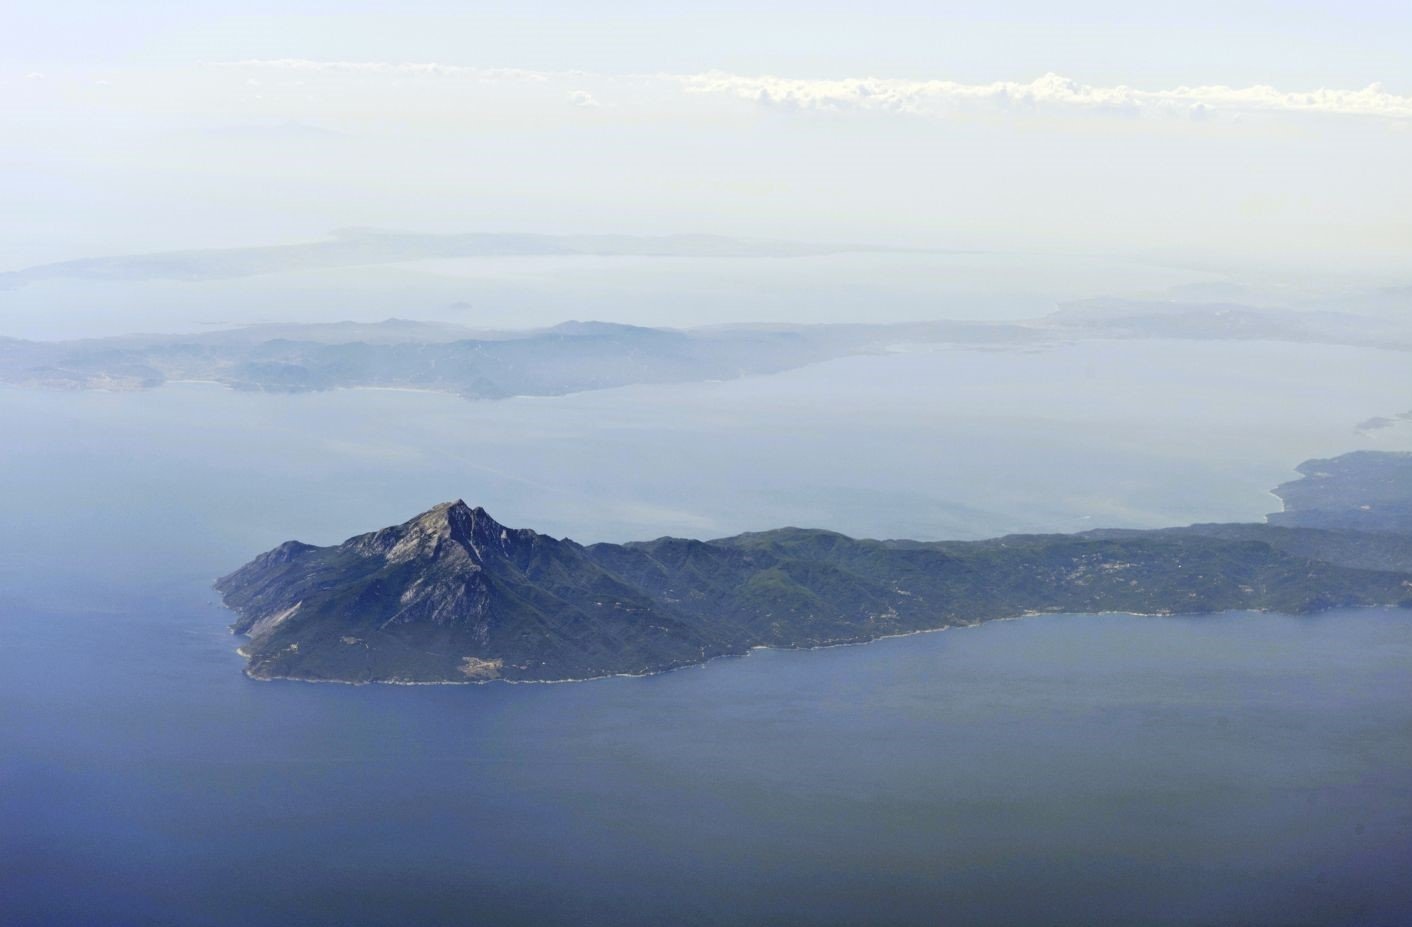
1066,770
1094,770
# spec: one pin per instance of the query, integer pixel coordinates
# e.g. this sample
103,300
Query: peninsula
452,595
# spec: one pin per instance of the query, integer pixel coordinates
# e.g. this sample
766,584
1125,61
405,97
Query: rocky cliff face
454,596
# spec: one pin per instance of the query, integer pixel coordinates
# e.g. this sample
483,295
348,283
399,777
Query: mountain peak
452,510
446,528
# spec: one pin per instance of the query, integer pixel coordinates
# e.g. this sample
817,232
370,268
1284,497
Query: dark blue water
1087,770
1243,769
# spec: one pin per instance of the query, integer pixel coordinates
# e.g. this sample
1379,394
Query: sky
1272,135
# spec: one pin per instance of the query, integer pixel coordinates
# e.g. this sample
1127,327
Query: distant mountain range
454,596
580,356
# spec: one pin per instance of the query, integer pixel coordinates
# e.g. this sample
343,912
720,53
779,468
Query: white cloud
1052,92
1049,91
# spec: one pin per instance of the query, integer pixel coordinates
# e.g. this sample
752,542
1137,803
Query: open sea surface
1239,769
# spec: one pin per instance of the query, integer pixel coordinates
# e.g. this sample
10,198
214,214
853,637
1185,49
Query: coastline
781,649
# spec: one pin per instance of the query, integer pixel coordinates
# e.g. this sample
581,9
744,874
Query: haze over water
1237,769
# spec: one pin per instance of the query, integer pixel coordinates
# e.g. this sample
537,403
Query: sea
1241,769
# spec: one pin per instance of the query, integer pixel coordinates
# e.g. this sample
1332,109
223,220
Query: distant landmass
1226,321
1363,491
1379,422
454,596
567,358
577,356
364,247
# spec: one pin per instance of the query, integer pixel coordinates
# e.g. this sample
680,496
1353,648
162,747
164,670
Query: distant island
363,247
454,596
578,356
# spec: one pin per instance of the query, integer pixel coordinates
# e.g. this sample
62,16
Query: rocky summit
450,595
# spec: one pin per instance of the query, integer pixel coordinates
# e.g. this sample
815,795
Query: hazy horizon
1102,130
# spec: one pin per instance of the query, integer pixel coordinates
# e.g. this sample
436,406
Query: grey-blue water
1086,770
1241,769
